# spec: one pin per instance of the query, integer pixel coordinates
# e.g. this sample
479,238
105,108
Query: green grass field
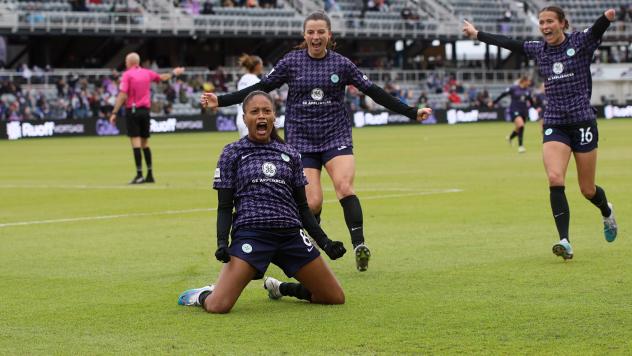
459,225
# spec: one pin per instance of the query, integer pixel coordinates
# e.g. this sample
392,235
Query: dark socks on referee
138,160
353,217
513,135
147,154
520,135
600,201
296,290
561,213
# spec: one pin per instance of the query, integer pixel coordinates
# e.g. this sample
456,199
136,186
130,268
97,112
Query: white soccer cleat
272,286
191,297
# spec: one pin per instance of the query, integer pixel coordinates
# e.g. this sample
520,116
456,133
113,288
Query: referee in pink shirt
135,93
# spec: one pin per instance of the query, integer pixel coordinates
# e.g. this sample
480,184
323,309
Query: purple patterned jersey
316,118
567,80
263,177
519,98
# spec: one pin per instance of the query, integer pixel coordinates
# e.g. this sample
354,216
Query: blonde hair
249,62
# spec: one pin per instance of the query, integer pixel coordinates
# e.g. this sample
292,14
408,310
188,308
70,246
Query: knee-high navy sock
353,217
296,290
138,160
147,154
561,213
600,201
520,135
513,134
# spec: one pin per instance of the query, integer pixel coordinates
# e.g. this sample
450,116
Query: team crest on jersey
558,68
247,248
334,78
269,169
317,94
365,77
548,131
285,157
570,52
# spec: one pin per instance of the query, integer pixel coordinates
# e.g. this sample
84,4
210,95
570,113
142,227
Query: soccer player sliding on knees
261,177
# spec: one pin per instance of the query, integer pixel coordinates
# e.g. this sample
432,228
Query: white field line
167,187
189,211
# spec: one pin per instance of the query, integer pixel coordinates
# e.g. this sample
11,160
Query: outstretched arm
504,94
390,102
210,100
174,73
497,40
601,25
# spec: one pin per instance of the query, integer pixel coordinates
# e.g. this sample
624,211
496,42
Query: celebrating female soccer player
254,66
262,177
570,124
520,95
317,123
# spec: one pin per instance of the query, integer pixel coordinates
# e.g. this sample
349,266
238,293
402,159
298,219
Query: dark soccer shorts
137,122
318,159
290,249
582,137
523,114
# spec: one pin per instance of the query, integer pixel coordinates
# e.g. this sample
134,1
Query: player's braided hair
274,134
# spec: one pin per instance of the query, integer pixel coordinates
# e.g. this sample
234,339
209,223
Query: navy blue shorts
523,114
582,137
290,249
318,159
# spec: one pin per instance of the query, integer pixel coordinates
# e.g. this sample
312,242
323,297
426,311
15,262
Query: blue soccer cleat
191,297
610,226
564,250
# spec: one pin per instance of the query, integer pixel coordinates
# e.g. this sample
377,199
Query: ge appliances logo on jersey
269,169
317,94
558,68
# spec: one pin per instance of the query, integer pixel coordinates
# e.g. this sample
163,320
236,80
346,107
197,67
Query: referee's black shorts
137,122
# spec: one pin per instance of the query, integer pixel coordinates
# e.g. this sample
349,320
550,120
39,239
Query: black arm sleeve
239,96
600,26
390,102
307,218
501,41
224,215
500,97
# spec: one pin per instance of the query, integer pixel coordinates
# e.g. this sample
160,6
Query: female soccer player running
262,178
317,123
520,96
570,124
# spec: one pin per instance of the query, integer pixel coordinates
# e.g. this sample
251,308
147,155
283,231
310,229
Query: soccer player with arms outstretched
570,125
262,178
317,123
